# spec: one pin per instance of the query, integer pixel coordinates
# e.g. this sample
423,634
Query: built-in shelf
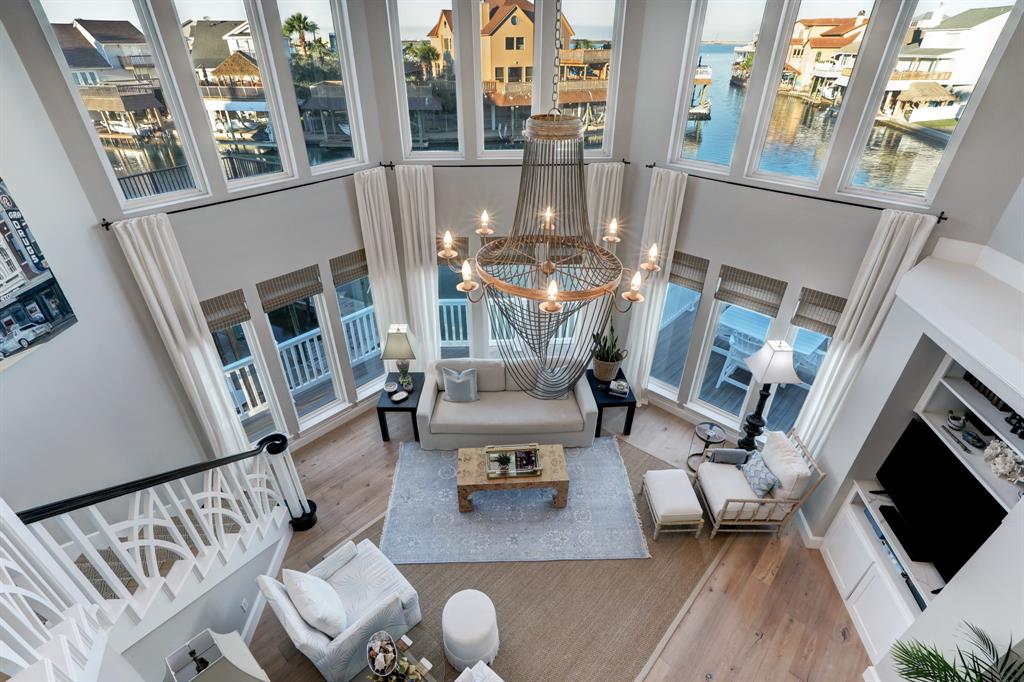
985,411
923,575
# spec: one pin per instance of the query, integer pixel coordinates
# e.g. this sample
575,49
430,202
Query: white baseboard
810,540
260,602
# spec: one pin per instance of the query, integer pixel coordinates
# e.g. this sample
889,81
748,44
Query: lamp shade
399,342
773,364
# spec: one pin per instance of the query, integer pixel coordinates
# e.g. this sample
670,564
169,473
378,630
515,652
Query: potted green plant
916,661
503,460
608,356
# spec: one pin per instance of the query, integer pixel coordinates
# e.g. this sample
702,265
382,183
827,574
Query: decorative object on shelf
608,356
618,388
513,460
1004,462
915,660
956,421
398,347
200,662
399,396
972,439
503,460
391,387
984,390
381,654
772,364
550,283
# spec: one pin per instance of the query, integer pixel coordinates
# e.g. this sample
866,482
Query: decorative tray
523,460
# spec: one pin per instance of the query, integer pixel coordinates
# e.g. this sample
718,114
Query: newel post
301,509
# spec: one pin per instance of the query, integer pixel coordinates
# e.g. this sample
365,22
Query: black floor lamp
772,364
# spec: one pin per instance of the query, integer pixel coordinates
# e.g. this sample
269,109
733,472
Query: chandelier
548,285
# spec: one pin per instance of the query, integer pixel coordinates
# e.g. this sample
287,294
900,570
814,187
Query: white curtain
155,260
661,225
604,191
419,240
381,253
897,243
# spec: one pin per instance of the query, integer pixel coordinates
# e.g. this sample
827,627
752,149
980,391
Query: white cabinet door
877,612
845,551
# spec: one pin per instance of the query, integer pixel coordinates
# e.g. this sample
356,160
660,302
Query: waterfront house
814,44
206,43
121,44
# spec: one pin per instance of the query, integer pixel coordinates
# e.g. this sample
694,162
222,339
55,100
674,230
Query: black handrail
274,444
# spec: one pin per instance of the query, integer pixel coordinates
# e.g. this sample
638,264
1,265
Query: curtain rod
105,223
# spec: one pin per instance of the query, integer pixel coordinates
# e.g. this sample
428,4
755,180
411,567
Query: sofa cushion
787,464
460,387
721,482
506,412
490,374
316,601
761,479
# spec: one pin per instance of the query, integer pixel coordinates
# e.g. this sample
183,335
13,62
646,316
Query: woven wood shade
349,268
750,290
225,311
689,271
818,311
280,291
460,244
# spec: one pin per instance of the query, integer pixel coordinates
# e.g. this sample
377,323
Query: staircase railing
119,550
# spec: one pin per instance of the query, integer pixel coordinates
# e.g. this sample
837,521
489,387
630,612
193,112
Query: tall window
686,281
316,56
429,50
225,54
815,77
358,317
814,324
453,308
728,45
117,79
937,69
290,302
588,35
506,103
746,304
228,319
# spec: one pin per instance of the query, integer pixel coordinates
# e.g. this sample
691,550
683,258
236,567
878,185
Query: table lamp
398,347
772,364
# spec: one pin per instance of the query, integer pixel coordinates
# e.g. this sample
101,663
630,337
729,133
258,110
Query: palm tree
301,24
319,50
426,54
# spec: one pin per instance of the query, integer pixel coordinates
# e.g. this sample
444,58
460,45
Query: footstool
673,503
470,628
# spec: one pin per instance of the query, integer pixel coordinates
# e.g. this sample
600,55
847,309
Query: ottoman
470,628
673,502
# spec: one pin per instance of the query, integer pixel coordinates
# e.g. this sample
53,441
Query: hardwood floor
769,610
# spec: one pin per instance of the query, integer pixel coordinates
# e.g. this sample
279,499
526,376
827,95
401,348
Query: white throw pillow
787,464
316,601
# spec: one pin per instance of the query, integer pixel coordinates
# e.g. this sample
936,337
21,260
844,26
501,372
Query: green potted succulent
608,356
503,460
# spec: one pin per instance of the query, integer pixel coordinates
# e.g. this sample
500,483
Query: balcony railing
116,90
920,75
454,320
235,93
361,332
148,183
702,72
585,56
236,167
134,61
304,359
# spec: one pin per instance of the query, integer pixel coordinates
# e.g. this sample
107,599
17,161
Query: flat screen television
942,512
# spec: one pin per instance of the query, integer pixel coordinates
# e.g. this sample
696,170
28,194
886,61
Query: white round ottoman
470,628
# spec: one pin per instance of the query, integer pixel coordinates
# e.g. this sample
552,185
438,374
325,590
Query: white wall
1008,237
99,404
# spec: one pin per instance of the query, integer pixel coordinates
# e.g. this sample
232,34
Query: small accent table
605,399
709,434
385,404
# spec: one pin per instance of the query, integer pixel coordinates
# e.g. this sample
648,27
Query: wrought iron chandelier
548,286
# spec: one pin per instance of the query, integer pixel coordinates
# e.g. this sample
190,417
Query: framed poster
33,308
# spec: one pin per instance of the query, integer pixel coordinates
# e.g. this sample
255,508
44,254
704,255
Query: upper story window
131,107
317,45
506,103
811,89
426,65
718,90
226,57
590,35
920,107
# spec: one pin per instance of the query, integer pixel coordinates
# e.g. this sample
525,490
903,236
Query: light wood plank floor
769,611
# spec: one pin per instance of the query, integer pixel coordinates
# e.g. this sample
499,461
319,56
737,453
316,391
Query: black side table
385,404
605,399
709,434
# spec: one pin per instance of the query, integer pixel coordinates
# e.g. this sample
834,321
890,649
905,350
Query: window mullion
877,45
467,54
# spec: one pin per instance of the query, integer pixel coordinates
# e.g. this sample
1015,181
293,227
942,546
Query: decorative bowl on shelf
956,421
390,387
381,653
399,397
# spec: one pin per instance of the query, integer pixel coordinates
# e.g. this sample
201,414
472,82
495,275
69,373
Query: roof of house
827,21
112,31
79,52
971,18
841,41
446,16
915,51
844,28
499,12
209,48
925,91
789,67
237,64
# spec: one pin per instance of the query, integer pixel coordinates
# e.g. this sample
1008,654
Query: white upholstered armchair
375,596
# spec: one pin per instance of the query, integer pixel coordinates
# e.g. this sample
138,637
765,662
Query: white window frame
263,374
856,151
604,152
272,91
395,38
665,388
340,401
174,104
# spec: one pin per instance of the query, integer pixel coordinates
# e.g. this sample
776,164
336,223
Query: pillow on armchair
316,601
787,464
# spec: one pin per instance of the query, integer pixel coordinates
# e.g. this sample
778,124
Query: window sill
317,417
366,390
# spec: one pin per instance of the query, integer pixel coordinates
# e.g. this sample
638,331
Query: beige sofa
504,414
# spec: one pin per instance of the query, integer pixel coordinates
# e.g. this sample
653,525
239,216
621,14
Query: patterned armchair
375,595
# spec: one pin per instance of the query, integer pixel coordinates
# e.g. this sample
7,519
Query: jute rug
424,526
575,620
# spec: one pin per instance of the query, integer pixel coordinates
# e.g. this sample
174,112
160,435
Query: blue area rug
424,525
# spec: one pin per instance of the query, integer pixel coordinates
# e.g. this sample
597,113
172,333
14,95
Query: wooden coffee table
472,476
